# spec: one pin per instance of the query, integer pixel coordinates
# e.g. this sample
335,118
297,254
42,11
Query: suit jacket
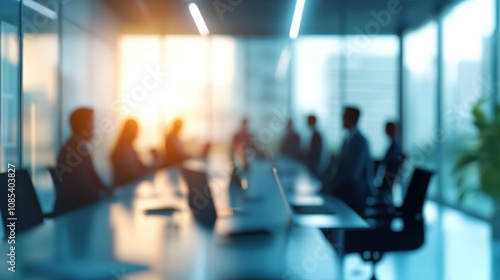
79,183
353,178
314,156
127,166
291,144
175,150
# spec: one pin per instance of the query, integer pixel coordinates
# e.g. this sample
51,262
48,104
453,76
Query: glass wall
419,127
316,81
467,78
40,97
10,77
213,82
371,84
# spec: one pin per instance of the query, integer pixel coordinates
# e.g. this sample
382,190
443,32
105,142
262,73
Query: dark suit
291,144
175,150
314,155
127,165
353,176
79,182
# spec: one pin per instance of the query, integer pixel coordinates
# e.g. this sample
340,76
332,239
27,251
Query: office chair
25,209
62,204
373,243
384,190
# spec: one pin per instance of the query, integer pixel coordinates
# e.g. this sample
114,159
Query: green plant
485,155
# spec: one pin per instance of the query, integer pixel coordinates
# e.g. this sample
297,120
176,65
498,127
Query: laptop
200,198
300,209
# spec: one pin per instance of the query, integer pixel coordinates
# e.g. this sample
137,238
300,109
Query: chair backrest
200,198
63,203
416,193
391,173
19,202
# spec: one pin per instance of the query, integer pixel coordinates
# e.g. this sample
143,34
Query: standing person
353,175
313,156
291,142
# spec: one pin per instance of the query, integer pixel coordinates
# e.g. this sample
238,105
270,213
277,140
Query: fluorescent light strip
37,7
297,18
198,19
283,64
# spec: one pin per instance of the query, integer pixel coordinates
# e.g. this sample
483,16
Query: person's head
244,124
289,125
390,129
177,125
130,131
350,117
311,121
82,123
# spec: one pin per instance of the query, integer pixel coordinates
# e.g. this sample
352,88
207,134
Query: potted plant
486,156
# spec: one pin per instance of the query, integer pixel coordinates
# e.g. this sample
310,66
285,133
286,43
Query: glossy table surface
115,239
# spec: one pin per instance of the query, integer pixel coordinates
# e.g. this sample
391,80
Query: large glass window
467,78
40,99
316,80
10,69
371,85
419,127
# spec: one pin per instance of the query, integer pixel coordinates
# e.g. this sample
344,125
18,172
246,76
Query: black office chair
373,243
26,207
62,204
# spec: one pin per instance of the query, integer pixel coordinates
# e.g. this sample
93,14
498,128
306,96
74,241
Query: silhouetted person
127,166
243,139
75,170
313,156
173,145
352,178
291,142
394,153
391,163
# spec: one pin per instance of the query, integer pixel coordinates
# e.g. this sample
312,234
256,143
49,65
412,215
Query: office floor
457,247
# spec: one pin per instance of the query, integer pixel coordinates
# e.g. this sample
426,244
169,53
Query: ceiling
273,17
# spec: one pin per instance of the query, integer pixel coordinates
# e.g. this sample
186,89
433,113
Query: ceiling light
198,19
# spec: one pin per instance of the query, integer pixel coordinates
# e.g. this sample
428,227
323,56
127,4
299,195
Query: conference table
116,239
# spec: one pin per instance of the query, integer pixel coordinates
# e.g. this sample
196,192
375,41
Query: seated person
174,147
391,163
243,142
79,181
352,180
127,165
291,142
173,144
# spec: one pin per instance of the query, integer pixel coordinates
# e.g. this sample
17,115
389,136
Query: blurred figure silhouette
291,142
391,164
75,170
243,140
127,165
352,178
394,153
173,144
313,157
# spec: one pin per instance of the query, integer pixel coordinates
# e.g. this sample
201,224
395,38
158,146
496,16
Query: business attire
175,150
291,145
393,155
313,157
127,165
392,161
80,184
353,177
